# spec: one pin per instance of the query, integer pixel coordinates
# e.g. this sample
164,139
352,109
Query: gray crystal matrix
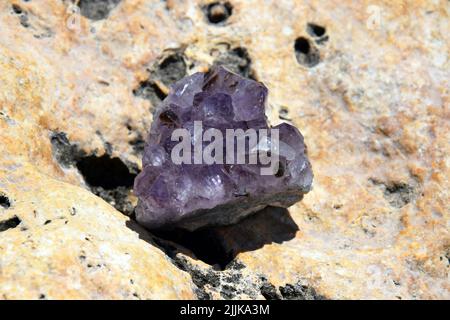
192,196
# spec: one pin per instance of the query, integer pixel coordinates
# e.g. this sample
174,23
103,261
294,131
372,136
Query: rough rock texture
370,93
195,193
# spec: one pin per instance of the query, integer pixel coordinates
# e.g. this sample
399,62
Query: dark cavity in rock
151,91
110,179
9,224
171,68
4,201
314,30
107,177
22,14
162,74
218,12
306,53
236,60
317,32
97,9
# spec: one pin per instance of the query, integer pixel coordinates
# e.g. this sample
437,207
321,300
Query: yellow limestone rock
370,94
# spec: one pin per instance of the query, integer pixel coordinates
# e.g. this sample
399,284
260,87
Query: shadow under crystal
220,245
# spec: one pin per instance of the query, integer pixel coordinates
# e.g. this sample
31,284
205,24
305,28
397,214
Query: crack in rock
107,177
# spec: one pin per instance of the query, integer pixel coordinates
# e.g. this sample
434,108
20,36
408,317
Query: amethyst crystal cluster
192,196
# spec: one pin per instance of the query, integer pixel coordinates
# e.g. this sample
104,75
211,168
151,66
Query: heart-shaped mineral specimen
211,158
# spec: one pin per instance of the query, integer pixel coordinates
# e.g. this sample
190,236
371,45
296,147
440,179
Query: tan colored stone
69,244
72,245
374,113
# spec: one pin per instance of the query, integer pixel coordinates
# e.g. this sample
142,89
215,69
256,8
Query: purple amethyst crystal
192,194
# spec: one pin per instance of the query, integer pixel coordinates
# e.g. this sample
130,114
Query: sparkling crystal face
192,195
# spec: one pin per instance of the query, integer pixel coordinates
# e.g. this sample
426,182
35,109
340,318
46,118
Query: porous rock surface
367,83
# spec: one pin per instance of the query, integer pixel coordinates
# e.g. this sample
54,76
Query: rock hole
110,179
218,12
314,30
318,32
105,172
302,45
236,60
306,54
170,69
17,9
22,14
97,9
9,224
4,201
150,91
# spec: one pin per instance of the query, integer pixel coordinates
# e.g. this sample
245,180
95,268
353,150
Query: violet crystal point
192,195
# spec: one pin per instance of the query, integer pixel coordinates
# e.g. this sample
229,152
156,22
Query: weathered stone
374,112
